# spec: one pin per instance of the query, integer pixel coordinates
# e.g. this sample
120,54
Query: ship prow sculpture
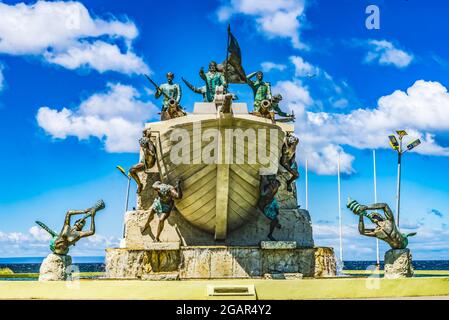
222,183
220,195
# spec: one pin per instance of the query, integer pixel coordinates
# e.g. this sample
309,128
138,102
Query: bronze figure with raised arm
148,161
163,205
386,228
70,235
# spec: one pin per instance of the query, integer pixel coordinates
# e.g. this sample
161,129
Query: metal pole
126,204
339,211
127,195
375,201
398,190
307,184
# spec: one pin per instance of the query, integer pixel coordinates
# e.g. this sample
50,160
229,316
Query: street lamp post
398,146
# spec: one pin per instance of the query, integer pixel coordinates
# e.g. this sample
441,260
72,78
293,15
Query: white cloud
36,243
267,66
100,56
423,110
385,53
281,18
303,68
115,117
65,33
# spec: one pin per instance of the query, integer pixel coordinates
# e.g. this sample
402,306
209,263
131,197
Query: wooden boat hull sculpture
218,196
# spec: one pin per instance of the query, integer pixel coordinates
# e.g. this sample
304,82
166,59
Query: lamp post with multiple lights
398,147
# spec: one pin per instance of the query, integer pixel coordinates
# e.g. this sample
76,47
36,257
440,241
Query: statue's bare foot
271,237
157,240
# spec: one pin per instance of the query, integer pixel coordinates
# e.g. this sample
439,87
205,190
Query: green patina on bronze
60,243
386,227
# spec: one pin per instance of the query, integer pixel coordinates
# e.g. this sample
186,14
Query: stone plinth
325,263
55,268
398,264
217,262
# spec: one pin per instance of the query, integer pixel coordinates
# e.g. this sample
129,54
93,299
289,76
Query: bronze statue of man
163,205
70,235
261,89
213,79
148,161
275,107
169,90
288,159
268,204
386,228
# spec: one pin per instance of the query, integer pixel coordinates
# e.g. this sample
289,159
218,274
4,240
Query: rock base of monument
398,264
55,268
272,261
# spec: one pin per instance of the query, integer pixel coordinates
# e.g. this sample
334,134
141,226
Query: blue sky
73,101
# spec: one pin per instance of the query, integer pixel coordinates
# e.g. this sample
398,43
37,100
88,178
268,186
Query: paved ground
332,288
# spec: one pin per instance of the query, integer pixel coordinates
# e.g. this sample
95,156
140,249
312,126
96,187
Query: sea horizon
76,259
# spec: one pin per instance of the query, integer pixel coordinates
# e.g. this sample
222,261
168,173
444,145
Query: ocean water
96,264
32,265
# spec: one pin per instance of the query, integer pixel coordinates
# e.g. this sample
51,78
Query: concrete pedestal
55,268
276,261
398,264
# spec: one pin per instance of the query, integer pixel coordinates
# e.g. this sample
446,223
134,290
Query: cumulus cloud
275,19
268,66
65,33
116,117
384,52
303,68
422,110
36,243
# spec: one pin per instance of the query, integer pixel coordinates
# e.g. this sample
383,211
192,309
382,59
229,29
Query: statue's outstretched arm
251,75
385,207
176,192
362,230
91,232
73,213
191,86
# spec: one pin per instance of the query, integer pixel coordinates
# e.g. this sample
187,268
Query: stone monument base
398,264
55,268
277,260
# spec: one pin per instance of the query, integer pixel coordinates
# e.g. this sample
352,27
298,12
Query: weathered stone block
278,245
56,267
214,262
146,197
136,264
325,263
398,264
